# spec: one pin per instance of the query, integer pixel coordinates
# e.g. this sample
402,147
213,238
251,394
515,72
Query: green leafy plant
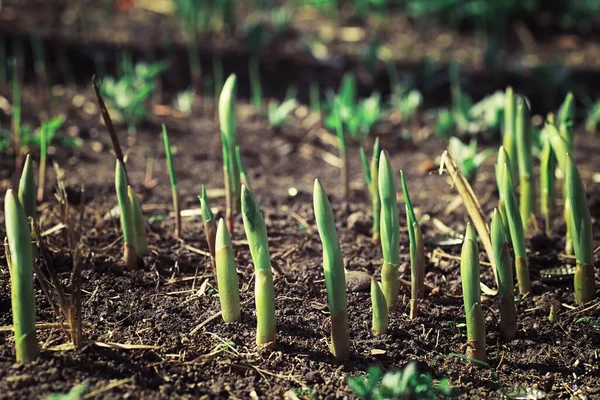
408,383
508,312
593,117
379,324
417,253
210,226
371,176
127,219
389,230
76,393
20,262
407,101
335,276
264,293
231,169
173,180
46,134
469,272
468,158
279,113
129,92
525,164
227,279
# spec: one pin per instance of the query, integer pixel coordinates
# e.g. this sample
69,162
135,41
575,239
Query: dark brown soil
161,304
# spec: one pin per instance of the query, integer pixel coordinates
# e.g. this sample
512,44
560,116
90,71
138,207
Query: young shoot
547,182
47,131
139,225
508,312
264,292
255,85
210,226
227,279
231,169
371,176
389,230
279,113
335,276
173,180
417,253
20,262
468,158
27,190
379,324
509,141
525,164
127,221
469,272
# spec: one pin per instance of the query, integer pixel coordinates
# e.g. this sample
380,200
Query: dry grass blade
471,203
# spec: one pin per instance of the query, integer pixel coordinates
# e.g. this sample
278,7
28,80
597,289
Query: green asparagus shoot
210,226
371,176
127,221
547,182
139,225
244,178
231,169
517,235
525,163
417,252
227,279
379,323
389,230
335,276
469,272
264,292
173,180
509,141
27,189
508,312
21,277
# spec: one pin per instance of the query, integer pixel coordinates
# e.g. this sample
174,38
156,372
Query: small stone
359,222
358,281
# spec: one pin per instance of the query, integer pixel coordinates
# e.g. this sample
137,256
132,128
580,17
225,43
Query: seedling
231,169
417,253
255,85
468,158
264,293
525,164
27,188
21,275
593,117
508,312
127,220
210,226
227,279
371,176
469,272
76,393
46,134
278,113
509,139
244,178
390,231
335,276
139,225
379,324
564,123
547,182
173,180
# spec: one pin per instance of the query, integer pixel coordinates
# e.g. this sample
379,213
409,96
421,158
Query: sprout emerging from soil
469,271
20,261
27,189
244,178
564,123
508,312
515,227
390,231
231,169
127,221
417,253
264,293
227,279
335,276
499,170
139,225
173,180
210,226
379,323
371,176
509,141
547,182
525,162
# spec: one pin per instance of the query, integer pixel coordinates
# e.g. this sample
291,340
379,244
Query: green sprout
564,123
515,227
371,176
210,226
21,276
231,169
508,312
335,276
279,113
47,131
469,272
593,118
127,221
255,85
139,225
525,164
379,324
227,279
315,98
417,253
264,292
547,182
27,189
76,393
390,231
244,178
468,158
509,141
173,180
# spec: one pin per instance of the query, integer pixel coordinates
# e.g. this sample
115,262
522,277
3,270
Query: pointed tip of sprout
471,234
222,238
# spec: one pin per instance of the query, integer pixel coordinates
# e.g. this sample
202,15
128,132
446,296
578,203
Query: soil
154,333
